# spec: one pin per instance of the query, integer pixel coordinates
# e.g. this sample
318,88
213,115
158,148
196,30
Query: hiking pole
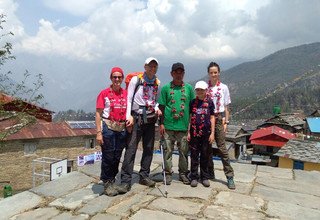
163,169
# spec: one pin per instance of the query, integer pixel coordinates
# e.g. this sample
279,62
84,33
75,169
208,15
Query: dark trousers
147,133
223,152
199,146
113,144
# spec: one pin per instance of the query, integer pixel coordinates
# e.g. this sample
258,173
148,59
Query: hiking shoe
194,183
147,182
168,179
183,178
123,188
212,176
109,189
205,183
230,183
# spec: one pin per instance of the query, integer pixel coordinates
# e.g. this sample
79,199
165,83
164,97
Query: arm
213,125
226,119
130,91
99,137
162,128
189,126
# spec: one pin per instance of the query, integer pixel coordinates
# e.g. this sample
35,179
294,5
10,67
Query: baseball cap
176,66
148,60
201,85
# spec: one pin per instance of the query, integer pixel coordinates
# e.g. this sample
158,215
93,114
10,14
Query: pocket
152,118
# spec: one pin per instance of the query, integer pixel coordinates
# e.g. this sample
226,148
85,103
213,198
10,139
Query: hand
225,129
211,138
188,136
129,122
159,112
162,130
99,139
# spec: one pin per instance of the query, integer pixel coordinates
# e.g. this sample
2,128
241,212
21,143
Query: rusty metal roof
42,129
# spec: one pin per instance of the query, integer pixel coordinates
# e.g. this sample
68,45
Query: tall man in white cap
141,115
174,104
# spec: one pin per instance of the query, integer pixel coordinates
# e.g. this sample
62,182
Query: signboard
58,169
89,159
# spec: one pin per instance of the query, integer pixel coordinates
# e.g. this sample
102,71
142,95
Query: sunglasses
117,77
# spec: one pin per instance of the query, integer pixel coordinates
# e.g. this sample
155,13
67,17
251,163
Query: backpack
129,77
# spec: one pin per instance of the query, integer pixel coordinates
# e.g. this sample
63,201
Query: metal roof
42,129
314,124
271,136
307,151
287,119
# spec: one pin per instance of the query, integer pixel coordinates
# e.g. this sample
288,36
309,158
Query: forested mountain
289,78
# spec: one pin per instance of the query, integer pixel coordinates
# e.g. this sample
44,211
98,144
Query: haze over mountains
289,78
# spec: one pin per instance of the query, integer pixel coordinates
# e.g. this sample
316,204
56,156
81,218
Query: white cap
201,85
148,60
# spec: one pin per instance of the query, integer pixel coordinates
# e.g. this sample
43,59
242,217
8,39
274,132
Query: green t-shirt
171,122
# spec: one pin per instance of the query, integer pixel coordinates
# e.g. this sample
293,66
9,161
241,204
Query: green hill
289,78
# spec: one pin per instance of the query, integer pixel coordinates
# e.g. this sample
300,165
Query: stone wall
16,167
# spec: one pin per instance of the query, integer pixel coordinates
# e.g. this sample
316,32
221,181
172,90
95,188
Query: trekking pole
163,168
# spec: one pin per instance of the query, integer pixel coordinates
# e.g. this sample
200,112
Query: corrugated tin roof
314,124
233,131
43,129
307,151
262,132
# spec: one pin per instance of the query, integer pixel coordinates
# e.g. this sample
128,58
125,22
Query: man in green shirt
174,103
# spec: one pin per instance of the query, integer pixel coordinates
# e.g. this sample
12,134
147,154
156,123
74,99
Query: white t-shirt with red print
223,92
114,104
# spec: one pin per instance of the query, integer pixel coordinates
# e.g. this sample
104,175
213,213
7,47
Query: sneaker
183,178
194,183
168,179
205,183
147,182
109,189
230,183
123,188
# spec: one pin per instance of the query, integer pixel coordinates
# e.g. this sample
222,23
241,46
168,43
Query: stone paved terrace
262,193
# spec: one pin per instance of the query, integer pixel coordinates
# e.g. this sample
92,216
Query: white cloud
124,29
74,7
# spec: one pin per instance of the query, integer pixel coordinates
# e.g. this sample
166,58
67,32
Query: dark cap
176,66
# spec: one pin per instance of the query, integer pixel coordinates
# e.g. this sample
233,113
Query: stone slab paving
70,216
177,206
63,185
18,203
274,172
76,199
232,199
307,176
101,216
291,211
37,214
278,195
132,204
154,215
230,213
289,185
261,193
179,190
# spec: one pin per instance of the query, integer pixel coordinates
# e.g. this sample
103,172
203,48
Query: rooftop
262,193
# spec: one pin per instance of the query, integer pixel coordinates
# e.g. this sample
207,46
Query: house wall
16,167
285,163
311,166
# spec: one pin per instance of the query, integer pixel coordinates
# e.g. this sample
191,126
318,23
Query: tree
18,90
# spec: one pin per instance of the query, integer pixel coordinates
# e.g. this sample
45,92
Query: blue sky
65,39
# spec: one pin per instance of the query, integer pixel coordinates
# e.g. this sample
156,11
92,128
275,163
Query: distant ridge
289,78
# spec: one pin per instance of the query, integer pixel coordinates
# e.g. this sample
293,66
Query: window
29,148
298,165
90,143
